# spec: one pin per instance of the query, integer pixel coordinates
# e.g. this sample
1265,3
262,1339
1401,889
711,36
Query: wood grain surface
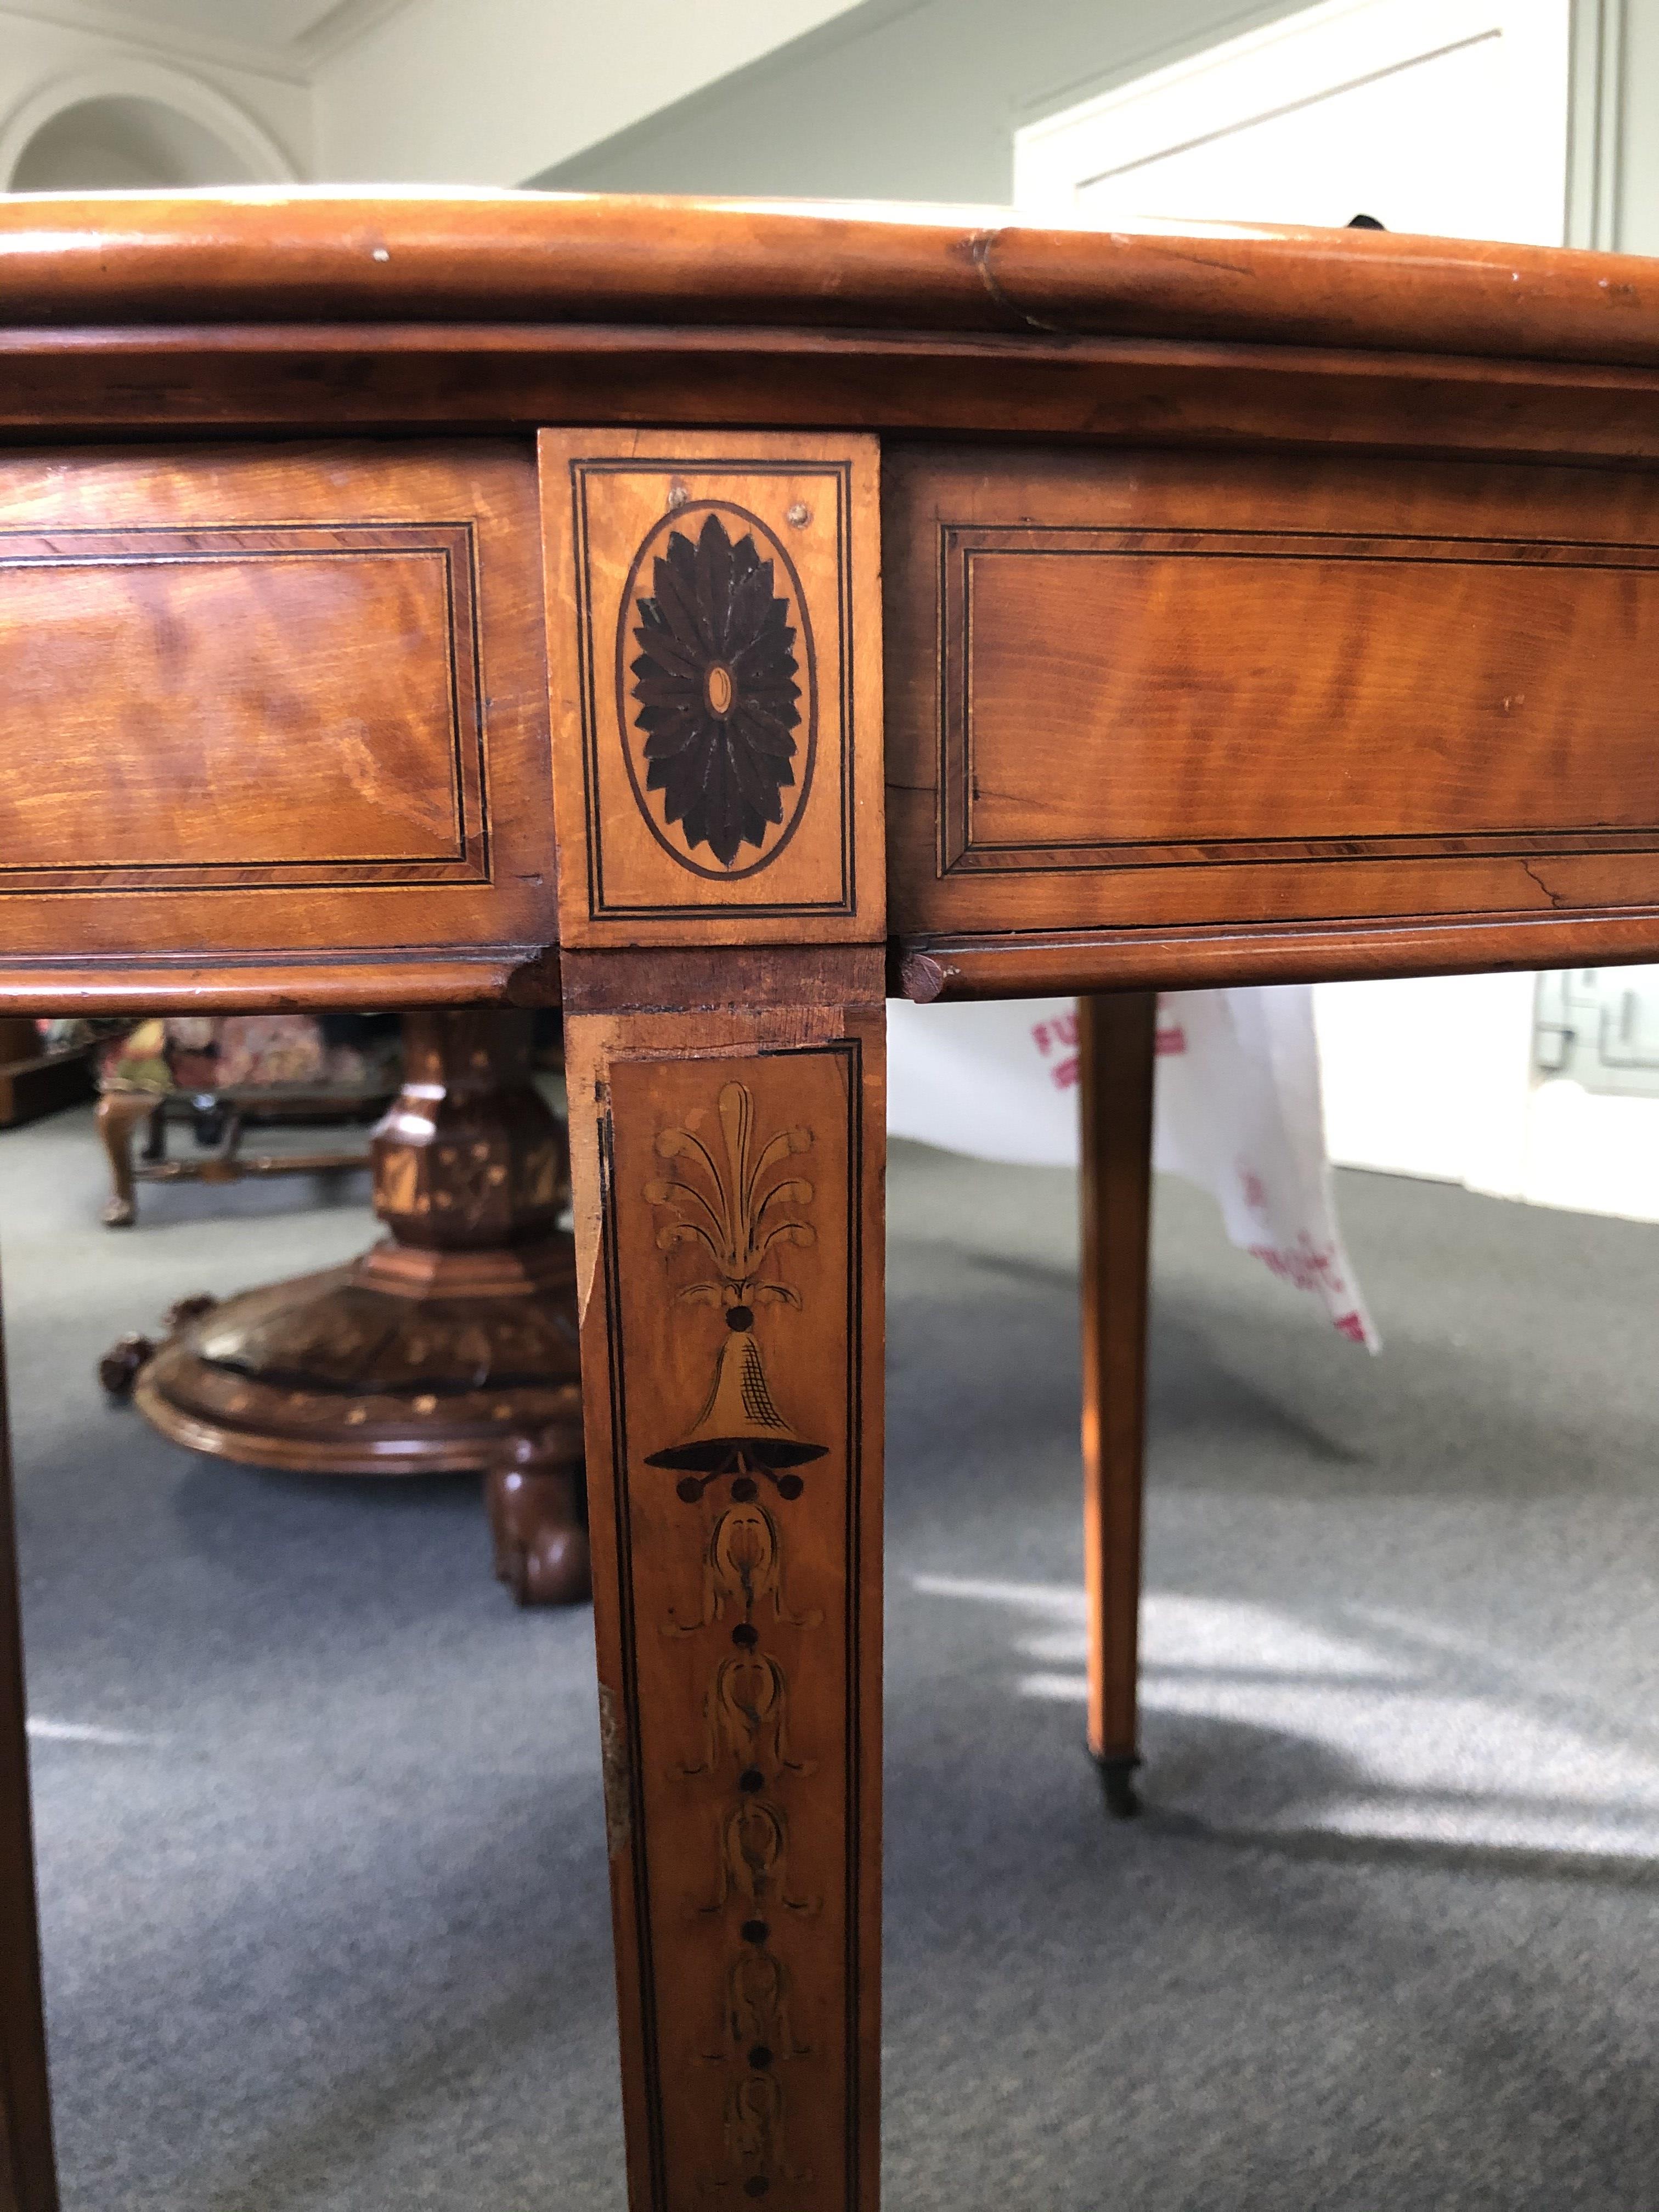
727,1176
268,698
1139,695
713,629
290,704
1153,690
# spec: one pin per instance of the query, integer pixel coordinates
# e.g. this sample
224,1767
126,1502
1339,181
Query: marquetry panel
715,655
272,697
1146,688
732,1352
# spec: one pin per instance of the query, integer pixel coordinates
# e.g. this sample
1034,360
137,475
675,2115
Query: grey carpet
318,1813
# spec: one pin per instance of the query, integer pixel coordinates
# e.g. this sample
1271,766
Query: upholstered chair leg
120,1114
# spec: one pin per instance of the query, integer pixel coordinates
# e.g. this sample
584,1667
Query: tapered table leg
1116,1045
29,2180
727,1179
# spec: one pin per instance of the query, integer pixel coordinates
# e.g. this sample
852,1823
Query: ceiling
286,34
254,23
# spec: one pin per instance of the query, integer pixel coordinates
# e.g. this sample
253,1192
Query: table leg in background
29,2180
1116,1047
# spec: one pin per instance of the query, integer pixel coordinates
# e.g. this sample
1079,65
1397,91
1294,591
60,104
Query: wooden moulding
333,310
327,256
514,975
197,380
1043,965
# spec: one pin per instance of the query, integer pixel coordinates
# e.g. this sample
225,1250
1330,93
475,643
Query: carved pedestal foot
122,1364
127,1357
1118,1786
404,1361
539,1532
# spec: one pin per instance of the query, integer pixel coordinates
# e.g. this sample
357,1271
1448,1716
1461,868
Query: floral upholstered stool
224,1074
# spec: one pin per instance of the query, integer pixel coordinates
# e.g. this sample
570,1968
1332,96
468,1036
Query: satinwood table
712,617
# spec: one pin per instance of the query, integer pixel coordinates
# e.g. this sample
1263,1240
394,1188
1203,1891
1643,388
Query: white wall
428,91
493,91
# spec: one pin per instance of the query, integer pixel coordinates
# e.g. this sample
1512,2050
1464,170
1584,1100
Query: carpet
318,1812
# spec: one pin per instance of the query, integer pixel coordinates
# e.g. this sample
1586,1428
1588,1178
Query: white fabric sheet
1236,1109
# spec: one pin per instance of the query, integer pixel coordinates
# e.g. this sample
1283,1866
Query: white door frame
1317,52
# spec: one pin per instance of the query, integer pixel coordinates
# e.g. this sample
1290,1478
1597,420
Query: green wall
919,99
902,99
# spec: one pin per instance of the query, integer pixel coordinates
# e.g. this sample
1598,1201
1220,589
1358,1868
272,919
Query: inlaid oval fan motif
719,714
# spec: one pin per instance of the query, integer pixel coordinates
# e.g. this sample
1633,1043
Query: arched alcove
134,126
124,144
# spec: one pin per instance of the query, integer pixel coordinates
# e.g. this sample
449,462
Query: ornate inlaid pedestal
450,1346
